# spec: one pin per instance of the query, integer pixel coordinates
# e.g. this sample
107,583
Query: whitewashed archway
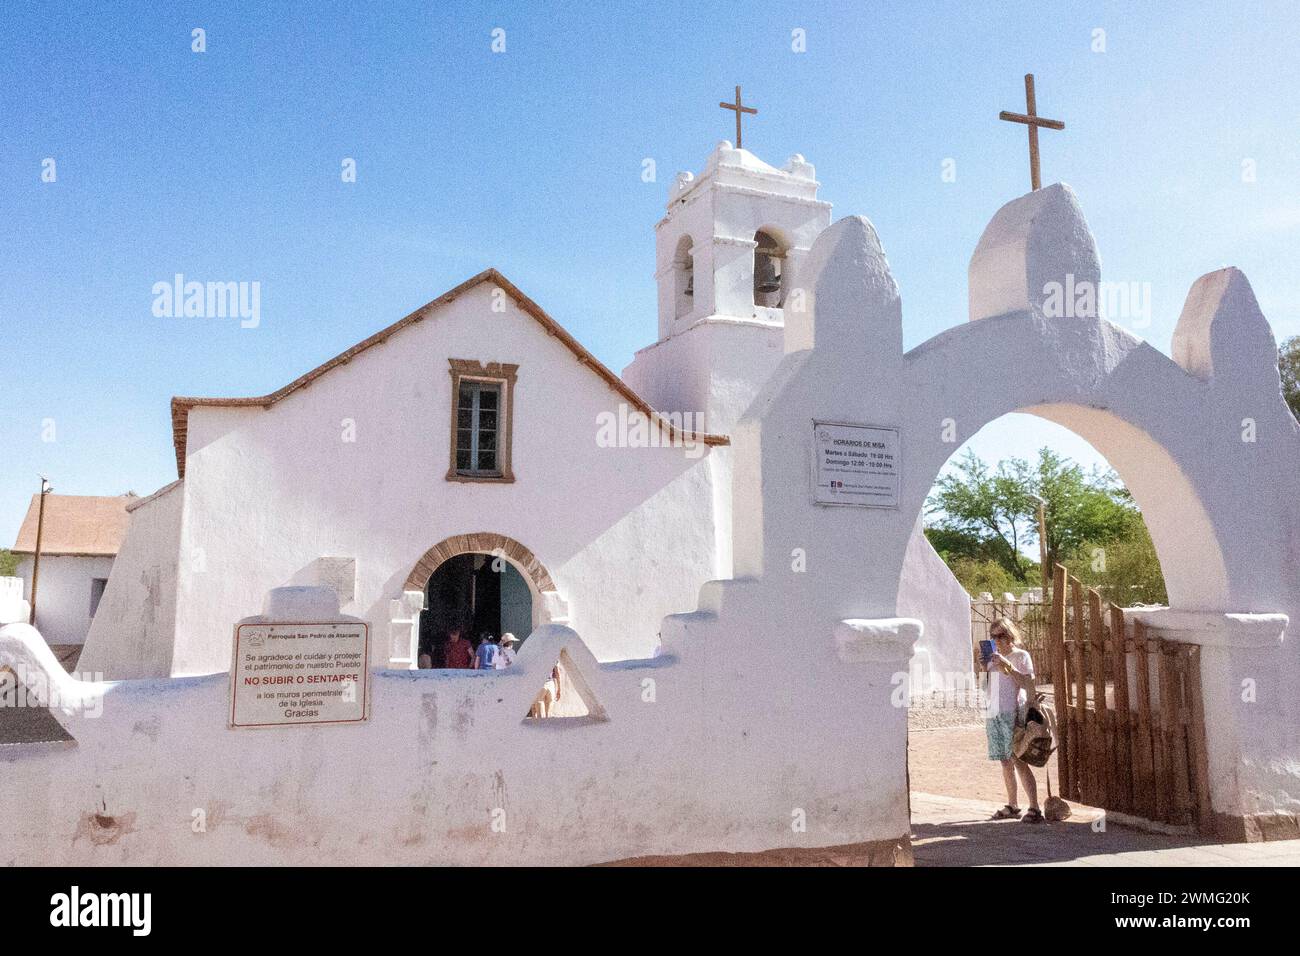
1203,439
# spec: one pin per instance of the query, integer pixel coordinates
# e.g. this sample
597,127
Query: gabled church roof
181,405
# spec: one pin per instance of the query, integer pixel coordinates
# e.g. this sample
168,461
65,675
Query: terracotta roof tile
76,524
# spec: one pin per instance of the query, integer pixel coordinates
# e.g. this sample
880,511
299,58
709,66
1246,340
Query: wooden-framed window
482,416
478,415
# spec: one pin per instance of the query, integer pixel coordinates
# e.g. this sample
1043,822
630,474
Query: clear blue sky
225,166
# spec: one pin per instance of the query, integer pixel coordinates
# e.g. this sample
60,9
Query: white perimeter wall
719,759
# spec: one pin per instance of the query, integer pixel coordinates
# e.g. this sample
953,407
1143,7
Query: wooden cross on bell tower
1033,121
739,109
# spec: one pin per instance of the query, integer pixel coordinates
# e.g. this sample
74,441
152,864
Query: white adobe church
472,427
737,635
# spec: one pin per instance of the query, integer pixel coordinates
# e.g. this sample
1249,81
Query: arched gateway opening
1019,496
1133,408
1106,680
1016,498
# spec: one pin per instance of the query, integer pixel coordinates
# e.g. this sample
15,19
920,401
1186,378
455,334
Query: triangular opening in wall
22,720
566,695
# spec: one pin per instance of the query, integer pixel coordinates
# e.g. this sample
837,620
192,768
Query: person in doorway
458,654
1011,677
506,653
485,657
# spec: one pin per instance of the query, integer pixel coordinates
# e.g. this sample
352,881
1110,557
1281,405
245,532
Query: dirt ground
953,762
947,754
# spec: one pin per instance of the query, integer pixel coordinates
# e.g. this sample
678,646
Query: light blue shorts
999,728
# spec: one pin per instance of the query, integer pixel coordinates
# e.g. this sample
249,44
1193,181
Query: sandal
1008,812
1033,815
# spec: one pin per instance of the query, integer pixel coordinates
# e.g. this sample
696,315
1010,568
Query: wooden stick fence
1130,713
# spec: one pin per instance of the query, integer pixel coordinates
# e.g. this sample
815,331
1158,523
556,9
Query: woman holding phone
1011,677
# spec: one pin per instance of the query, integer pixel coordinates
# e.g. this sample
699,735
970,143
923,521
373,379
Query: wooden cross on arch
1033,121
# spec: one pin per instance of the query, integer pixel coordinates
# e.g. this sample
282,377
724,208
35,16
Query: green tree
985,518
955,545
973,561
993,513
975,502
978,575
1289,365
1125,570
1081,507
8,563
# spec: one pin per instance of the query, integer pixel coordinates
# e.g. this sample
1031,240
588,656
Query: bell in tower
768,259
683,270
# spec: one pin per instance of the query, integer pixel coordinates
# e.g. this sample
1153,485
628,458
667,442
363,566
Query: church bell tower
731,243
729,252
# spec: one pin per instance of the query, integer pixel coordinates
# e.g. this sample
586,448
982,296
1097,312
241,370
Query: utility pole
1044,570
36,557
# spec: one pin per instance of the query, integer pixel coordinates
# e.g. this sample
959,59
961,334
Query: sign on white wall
855,465
285,674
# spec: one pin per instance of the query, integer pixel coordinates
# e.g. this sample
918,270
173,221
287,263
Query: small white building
80,537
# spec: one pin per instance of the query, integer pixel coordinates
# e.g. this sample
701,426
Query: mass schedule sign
285,674
855,465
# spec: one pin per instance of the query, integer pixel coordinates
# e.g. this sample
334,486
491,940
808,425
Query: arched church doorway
478,595
480,583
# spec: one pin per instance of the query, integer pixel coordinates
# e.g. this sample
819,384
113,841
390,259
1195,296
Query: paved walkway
955,831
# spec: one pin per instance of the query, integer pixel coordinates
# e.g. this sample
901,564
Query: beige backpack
1034,738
